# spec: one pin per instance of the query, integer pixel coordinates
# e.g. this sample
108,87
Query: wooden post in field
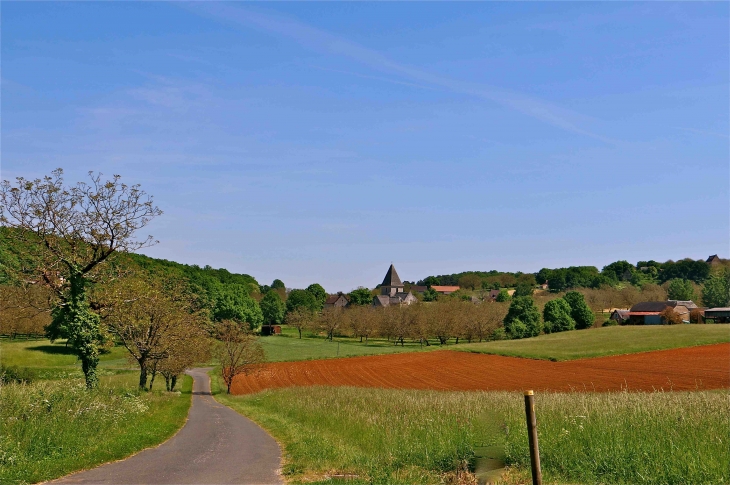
532,437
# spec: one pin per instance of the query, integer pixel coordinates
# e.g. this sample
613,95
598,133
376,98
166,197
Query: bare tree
239,352
363,321
66,232
155,320
300,318
329,321
24,309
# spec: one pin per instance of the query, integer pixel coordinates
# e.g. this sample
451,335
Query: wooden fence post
532,437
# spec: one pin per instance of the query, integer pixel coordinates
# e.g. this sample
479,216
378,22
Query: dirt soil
692,368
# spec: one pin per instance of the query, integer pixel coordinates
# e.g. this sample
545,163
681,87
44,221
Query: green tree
619,271
278,285
430,294
319,294
272,308
69,233
301,299
680,289
524,310
716,291
470,281
523,289
360,297
579,310
233,303
503,296
556,315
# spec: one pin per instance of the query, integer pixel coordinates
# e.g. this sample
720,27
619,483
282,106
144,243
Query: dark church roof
391,278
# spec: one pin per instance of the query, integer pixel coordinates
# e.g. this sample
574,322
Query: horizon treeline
559,279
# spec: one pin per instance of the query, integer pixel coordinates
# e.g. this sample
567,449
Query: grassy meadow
597,342
355,435
52,425
289,347
575,344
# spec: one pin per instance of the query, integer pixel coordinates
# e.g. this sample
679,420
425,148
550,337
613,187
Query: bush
499,334
610,323
503,296
19,375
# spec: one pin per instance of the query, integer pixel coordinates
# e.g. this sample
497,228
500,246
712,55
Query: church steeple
391,283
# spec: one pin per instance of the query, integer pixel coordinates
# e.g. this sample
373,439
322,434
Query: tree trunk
142,375
457,340
167,384
154,373
300,334
173,381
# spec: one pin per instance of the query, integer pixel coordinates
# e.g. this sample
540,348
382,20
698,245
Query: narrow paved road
216,446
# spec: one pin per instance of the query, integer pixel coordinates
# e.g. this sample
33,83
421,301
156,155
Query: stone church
392,291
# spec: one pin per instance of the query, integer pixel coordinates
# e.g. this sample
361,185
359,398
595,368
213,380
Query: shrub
609,323
503,296
670,317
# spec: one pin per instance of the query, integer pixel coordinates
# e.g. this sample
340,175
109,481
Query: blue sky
323,141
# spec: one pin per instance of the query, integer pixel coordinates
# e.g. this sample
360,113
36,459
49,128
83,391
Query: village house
392,291
339,300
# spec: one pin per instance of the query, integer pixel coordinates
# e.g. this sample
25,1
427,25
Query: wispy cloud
706,133
320,40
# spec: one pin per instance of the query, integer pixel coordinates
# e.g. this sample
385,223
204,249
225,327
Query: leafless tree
238,352
24,310
300,318
155,320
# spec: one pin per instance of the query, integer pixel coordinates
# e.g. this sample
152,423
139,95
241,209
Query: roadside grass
288,346
597,342
51,428
355,435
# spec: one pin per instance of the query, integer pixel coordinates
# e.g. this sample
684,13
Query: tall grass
405,436
50,428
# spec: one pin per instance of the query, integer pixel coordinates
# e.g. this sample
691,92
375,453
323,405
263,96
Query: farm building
336,301
714,259
621,316
718,315
392,291
648,312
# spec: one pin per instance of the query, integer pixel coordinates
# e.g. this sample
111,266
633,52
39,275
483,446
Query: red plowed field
705,367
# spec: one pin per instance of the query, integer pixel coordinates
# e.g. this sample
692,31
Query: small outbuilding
718,315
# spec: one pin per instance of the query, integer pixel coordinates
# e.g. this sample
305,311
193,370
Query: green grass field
405,436
596,342
54,426
46,360
288,346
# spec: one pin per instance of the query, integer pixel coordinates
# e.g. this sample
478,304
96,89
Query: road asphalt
216,446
